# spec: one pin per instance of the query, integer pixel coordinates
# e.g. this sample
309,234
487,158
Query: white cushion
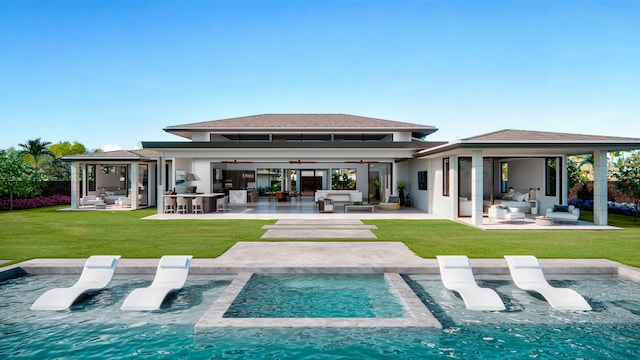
101,262
176,262
526,262
456,262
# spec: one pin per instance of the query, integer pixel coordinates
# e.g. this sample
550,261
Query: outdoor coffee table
347,207
544,221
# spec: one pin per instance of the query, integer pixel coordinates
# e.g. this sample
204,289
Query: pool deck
325,257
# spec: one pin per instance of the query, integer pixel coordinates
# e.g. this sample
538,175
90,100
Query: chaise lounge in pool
96,275
526,273
170,276
457,275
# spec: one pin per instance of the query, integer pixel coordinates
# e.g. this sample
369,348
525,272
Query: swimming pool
316,296
96,328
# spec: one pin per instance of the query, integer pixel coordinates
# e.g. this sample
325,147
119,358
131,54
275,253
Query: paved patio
305,209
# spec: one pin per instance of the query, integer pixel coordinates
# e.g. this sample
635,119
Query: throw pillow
392,199
560,208
507,196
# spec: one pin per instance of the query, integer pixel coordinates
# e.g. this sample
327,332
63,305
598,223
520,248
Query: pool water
316,296
96,328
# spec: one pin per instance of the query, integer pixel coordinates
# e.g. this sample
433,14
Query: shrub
35,202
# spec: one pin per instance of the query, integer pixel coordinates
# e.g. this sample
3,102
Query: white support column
75,185
476,187
600,188
564,168
134,186
160,182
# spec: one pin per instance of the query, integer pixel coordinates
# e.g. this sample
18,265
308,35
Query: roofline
108,158
609,145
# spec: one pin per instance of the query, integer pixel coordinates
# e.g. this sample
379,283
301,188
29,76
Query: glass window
550,176
91,178
504,176
343,179
445,176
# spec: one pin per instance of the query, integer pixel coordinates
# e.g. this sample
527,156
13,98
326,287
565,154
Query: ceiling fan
302,162
234,162
362,162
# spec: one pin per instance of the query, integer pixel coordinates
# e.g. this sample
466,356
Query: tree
37,149
54,167
18,177
573,173
627,177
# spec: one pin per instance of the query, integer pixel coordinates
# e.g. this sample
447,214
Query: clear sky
114,73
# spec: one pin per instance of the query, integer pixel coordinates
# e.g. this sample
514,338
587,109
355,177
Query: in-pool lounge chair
457,275
527,275
96,275
170,276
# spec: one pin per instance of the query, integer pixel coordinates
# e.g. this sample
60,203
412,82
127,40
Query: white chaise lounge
457,275
527,275
170,276
96,275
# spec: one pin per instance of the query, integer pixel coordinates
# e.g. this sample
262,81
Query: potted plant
376,185
401,185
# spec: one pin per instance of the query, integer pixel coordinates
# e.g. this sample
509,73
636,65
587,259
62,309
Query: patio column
134,186
600,188
75,186
476,187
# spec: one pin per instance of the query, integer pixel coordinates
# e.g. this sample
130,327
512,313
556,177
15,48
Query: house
114,175
347,155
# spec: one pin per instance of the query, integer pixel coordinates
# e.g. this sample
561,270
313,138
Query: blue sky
114,73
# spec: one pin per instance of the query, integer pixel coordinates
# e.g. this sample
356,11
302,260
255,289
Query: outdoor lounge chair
96,275
527,275
170,276
457,275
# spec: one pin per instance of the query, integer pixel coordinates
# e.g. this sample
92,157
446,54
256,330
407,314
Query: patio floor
306,209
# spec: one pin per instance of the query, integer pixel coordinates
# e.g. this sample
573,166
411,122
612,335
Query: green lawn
48,233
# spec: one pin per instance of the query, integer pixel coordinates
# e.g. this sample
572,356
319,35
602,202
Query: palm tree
38,149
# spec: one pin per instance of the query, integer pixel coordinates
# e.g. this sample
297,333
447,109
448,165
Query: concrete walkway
319,229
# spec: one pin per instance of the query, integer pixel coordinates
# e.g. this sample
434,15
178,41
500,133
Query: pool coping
212,267
418,315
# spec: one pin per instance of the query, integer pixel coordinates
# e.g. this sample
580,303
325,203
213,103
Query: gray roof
133,155
536,142
528,136
300,123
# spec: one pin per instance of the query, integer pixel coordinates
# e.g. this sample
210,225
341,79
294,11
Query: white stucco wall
421,199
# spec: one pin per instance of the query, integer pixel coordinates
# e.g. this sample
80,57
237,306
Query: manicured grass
48,233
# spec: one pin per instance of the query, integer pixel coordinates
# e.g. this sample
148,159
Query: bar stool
196,204
169,205
183,205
